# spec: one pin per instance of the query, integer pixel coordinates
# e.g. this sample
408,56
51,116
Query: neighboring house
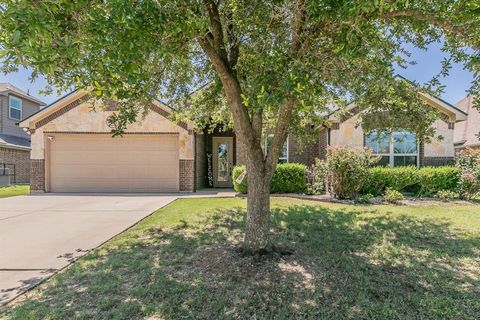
15,105
73,150
466,132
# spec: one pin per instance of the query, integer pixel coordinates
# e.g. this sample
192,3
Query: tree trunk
258,208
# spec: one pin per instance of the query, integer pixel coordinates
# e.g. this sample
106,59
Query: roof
74,97
434,101
7,88
434,97
14,142
465,134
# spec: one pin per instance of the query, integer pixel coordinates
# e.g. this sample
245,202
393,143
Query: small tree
277,65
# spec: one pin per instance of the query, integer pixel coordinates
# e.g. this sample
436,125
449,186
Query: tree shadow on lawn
345,264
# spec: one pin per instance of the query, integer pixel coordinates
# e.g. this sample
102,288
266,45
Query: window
283,157
398,148
15,108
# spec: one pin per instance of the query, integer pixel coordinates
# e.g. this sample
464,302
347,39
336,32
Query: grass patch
183,262
12,191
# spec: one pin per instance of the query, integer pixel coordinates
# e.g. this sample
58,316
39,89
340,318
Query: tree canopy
318,52
278,65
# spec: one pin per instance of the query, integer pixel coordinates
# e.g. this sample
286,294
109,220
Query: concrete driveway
41,234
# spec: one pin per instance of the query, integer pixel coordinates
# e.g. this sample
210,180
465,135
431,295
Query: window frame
265,148
391,154
10,107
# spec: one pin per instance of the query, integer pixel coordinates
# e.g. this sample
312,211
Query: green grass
12,191
183,262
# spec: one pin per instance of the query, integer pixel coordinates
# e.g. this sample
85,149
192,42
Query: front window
15,108
283,157
399,148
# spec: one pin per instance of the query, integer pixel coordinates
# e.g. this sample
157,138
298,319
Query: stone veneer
20,159
187,175
37,175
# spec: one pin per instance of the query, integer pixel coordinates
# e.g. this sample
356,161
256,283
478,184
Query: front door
222,162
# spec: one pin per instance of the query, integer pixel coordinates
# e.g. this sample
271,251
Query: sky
428,65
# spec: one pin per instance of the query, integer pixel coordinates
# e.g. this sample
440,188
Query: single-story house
466,132
73,150
15,105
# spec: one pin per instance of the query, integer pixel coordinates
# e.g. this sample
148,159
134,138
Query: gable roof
465,134
454,113
7,88
74,99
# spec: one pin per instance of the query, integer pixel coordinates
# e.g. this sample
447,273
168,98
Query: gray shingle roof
13,141
6,88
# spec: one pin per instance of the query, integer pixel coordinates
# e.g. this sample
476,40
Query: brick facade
323,144
305,153
20,159
437,161
433,161
37,175
187,179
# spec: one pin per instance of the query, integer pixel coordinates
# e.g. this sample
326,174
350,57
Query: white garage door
100,163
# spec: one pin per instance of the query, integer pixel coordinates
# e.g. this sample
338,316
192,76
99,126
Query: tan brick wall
21,160
187,175
37,175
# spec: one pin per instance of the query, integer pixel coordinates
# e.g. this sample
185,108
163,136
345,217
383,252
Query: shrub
364,199
392,195
434,179
447,195
347,170
316,177
287,178
239,187
425,181
468,162
398,178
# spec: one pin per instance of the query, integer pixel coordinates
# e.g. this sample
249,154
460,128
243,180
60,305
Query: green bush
287,178
392,195
239,187
425,181
347,169
316,177
433,179
364,199
399,178
447,195
468,162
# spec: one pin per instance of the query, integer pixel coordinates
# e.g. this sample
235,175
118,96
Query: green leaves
149,49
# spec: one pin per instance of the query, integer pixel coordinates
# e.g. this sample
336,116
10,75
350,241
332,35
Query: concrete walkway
41,234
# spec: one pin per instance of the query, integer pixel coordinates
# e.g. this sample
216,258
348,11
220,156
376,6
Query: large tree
279,66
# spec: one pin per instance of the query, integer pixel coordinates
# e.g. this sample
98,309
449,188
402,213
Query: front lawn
12,191
340,261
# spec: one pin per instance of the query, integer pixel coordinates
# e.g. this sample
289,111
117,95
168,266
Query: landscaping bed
341,261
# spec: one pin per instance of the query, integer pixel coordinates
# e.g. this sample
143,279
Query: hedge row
426,181
287,178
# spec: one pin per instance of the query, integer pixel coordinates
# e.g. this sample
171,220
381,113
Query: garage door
100,163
